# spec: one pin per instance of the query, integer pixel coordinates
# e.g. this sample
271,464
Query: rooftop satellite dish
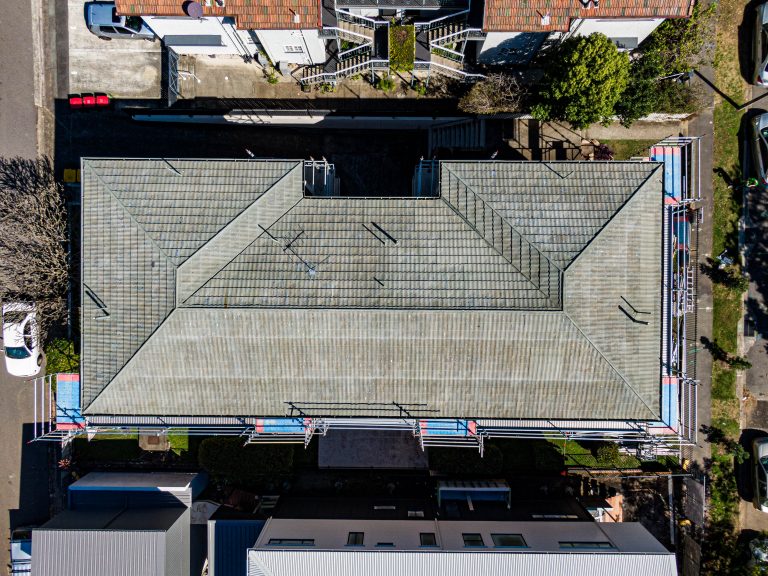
193,9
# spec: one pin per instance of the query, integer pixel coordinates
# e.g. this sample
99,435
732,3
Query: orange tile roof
526,15
248,14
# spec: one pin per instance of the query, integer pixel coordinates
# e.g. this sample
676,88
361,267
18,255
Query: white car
21,339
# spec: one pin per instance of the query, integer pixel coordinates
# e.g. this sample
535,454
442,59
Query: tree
585,77
496,94
33,233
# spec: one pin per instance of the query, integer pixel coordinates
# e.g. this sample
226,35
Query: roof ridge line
612,218
541,251
227,227
604,357
133,219
131,358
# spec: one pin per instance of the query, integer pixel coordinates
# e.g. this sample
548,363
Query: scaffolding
57,398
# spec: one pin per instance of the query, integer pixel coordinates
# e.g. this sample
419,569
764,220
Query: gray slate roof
218,289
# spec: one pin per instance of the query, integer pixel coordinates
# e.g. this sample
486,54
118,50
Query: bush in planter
226,458
402,48
386,83
606,453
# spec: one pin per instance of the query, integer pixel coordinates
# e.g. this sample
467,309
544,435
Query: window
473,540
291,542
508,541
133,22
293,49
355,538
120,30
428,539
107,29
587,545
385,544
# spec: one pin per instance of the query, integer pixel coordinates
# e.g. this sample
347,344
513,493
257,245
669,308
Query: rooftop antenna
545,18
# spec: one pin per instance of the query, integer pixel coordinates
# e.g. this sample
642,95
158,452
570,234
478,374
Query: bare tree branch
33,233
496,94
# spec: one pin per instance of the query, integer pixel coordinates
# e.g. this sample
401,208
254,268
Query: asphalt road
18,113
24,492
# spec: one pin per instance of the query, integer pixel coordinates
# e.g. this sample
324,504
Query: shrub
402,48
466,461
386,83
60,356
606,453
585,77
226,458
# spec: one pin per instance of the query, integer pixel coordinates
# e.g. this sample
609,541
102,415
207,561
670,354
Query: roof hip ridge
612,218
496,212
133,219
185,287
616,370
552,293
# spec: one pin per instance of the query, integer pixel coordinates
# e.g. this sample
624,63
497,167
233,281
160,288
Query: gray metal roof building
288,547
118,542
524,290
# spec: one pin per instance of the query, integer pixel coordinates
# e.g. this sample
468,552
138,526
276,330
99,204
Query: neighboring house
502,299
388,537
127,524
332,39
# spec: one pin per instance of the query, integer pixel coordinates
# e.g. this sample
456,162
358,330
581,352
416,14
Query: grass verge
720,554
626,149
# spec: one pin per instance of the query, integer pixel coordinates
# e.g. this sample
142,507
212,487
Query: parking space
123,68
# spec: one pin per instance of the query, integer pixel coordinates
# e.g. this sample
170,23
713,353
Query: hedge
226,458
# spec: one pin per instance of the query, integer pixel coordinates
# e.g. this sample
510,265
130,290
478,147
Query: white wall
616,27
510,47
276,42
232,41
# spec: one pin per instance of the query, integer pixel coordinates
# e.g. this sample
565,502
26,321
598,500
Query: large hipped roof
217,288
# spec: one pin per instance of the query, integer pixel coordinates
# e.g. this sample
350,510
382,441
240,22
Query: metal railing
332,77
456,73
362,49
448,54
438,22
353,36
359,20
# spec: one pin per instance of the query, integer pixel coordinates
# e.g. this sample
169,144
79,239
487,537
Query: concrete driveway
24,468
122,68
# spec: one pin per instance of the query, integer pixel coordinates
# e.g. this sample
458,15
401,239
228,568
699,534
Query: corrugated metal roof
96,553
432,301
229,541
438,563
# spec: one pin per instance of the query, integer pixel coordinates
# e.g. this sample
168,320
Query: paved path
18,113
24,467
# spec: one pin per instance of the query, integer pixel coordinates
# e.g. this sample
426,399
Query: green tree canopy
584,79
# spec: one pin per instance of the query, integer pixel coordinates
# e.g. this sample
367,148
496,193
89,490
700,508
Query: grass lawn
577,454
626,149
